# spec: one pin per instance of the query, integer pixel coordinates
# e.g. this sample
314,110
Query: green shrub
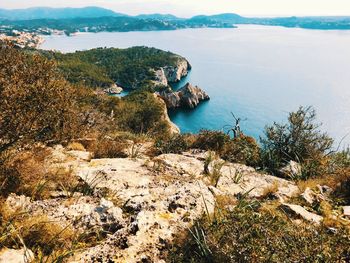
174,144
211,140
299,140
140,112
242,149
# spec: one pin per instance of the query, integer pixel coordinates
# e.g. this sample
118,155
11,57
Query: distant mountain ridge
56,13
159,16
95,19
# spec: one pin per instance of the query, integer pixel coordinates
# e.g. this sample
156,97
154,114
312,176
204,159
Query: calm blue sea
257,72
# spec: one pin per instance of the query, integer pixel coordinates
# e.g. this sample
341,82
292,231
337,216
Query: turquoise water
258,73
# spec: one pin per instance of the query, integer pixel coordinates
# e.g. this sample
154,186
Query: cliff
172,73
174,129
188,96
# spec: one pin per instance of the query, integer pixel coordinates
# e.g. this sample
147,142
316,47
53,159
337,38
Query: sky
186,8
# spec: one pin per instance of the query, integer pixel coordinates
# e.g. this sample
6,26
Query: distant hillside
225,18
55,13
159,16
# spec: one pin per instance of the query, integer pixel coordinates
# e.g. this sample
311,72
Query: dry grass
27,174
38,233
270,191
108,148
252,232
75,146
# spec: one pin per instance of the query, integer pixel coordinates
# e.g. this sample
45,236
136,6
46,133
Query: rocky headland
188,96
172,73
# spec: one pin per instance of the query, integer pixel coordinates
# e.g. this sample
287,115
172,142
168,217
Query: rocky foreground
144,202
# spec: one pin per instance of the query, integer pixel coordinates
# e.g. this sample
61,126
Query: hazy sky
191,7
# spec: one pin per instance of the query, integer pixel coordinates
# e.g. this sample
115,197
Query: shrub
299,140
37,104
47,239
211,140
242,149
140,112
108,148
174,144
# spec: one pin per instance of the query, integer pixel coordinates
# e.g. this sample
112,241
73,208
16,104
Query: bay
260,73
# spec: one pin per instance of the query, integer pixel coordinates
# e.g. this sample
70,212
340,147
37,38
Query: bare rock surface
346,211
188,96
300,211
175,73
237,178
291,170
16,255
174,129
142,203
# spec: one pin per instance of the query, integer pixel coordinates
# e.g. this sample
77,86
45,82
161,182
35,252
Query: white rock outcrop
16,255
188,96
300,211
180,70
291,170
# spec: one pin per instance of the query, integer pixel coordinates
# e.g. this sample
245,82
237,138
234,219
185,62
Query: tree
36,103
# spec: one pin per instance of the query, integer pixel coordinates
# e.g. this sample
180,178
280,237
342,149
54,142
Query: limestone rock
80,155
147,201
160,206
291,170
114,89
175,73
346,211
174,129
192,95
300,211
188,96
160,77
16,255
309,196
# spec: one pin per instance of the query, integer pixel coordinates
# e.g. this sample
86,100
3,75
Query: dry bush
174,144
40,234
37,104
300,140
141,113
108,148
211,140
270,191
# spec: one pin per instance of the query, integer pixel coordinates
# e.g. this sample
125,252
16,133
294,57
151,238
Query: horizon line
198,14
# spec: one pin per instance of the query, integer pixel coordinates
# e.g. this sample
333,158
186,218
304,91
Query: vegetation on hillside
101,67
255,231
